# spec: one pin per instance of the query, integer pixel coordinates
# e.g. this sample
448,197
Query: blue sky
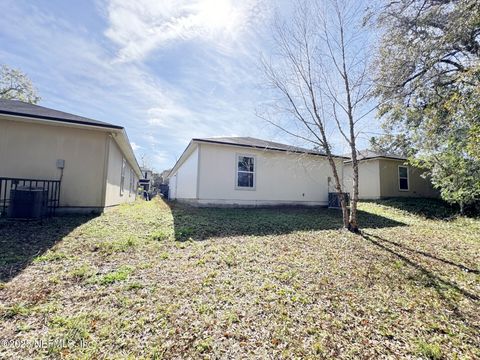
167,71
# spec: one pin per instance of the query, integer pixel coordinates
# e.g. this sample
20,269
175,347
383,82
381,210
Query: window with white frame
245,172
122,176
403,178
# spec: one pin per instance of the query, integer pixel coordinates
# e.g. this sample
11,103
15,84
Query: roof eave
127,150
266,148
376,158
181,158
57,119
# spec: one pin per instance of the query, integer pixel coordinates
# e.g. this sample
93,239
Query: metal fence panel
52,187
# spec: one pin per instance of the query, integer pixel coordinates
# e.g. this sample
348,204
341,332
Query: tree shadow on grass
427,208
426,254
21,242
202,223
441,286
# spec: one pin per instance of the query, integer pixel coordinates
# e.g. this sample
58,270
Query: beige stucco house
93,159
244,171
387,176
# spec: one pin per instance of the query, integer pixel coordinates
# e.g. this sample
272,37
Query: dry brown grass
150,281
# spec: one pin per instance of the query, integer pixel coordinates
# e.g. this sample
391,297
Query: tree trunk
341,194
353,221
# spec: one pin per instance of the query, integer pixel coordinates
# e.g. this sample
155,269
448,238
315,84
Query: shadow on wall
21,242
202,223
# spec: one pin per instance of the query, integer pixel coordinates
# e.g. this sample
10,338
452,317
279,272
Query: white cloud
164,116
160,157
139,27
135,147
76,69
151,140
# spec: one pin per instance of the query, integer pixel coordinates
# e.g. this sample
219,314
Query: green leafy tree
428,84
398,144
455,175
15,85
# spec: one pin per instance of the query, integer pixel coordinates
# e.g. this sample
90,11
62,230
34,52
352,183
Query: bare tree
319,69
145,161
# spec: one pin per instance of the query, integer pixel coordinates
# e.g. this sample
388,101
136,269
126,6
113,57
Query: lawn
152,280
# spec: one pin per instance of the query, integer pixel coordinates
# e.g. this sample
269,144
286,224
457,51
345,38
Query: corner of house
197,195
108,139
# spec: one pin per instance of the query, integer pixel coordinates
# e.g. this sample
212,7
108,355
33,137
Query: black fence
9,185
164,190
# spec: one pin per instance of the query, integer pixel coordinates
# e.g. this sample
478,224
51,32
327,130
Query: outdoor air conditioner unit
334,200
27,202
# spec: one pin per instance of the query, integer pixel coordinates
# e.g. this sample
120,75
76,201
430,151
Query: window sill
245,188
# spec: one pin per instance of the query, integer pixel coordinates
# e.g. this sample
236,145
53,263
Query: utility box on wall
60,164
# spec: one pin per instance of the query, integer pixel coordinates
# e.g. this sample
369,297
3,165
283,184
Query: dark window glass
245,171
245,163
403,184
403,177
245,179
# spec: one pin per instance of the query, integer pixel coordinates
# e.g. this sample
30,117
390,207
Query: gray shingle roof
259,144
20,108
369,154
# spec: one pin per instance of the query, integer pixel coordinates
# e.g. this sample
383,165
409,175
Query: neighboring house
244,171
164,177
386,176
161,182
146,181
93,159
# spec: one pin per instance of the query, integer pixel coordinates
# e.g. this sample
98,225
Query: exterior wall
389,183
113,196
185,179
281,178
30,150
369,179
172,187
